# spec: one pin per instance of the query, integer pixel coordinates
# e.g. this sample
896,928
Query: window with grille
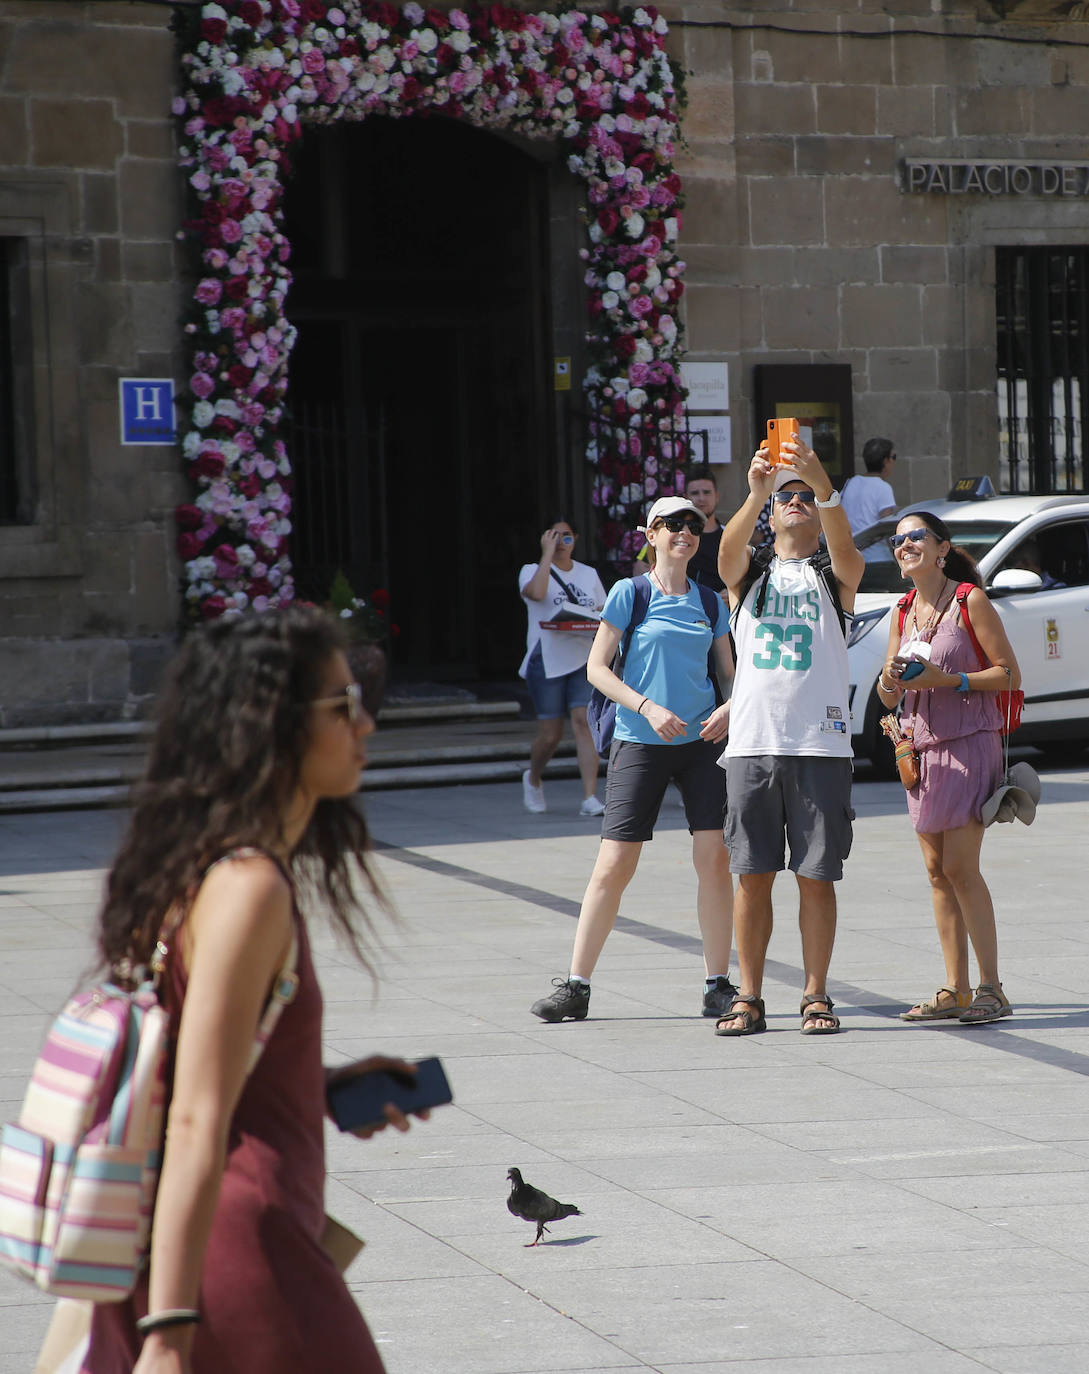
16,459
1042,308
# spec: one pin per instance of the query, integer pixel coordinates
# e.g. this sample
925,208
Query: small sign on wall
147,410
708,385
561,374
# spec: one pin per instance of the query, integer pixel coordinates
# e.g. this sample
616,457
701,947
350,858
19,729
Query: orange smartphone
778,430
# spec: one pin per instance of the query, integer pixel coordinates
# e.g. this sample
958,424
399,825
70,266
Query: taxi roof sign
979,488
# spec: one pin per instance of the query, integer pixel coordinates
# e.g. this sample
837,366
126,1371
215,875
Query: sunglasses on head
785,497
916,537
348,703
675,523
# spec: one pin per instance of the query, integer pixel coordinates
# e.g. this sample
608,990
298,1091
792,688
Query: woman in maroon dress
950,710
259,748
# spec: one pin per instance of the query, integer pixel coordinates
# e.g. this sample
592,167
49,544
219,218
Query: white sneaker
591,807
532,797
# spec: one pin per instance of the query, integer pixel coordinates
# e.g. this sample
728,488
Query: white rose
670,226
203,414
643,351
637,398
616,281
426,40
633,227
610,300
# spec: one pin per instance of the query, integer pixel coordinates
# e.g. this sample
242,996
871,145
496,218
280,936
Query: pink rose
313,61
200,384
208,291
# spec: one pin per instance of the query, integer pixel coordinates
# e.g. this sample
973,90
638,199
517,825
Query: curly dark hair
226,757
959,563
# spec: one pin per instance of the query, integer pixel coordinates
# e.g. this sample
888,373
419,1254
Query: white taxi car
1033,556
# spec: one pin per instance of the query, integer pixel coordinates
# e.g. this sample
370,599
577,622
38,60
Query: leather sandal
810,1014
935,1010
989,1004
750,1023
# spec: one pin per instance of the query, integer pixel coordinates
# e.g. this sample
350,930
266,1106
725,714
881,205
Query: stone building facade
806,246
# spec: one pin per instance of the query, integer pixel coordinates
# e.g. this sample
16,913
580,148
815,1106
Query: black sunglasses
784,498
675,523
916,537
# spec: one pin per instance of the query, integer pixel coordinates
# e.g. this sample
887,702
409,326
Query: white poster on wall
717,429
708,385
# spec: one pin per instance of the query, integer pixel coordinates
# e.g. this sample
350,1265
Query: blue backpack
601,710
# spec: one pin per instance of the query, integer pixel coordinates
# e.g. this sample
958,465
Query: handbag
80,1168
904,751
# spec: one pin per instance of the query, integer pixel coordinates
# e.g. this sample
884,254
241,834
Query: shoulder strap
759,564
640,603
964,590
283,991
566,589
904,605
712,604
822,561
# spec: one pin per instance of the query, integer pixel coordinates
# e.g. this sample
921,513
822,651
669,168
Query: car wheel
879,746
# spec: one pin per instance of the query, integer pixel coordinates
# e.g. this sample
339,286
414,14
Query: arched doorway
420,389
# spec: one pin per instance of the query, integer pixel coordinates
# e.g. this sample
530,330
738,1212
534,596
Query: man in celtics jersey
788,756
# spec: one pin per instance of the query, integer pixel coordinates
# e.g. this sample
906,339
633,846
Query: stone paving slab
891,1199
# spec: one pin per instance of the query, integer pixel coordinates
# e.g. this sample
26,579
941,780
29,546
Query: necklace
927,630
654,575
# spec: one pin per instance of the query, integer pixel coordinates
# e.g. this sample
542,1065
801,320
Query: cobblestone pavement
891,1199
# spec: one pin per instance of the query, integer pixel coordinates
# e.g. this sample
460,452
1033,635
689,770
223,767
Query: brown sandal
750,1024
935,1011
989,1004
810,1014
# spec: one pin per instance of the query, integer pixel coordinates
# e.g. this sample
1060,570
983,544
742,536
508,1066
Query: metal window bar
1042,314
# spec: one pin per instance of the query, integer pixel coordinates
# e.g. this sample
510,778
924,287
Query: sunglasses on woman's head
916,537
785,497
675,523
348,703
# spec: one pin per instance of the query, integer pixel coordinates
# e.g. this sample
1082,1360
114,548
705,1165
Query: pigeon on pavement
531,1204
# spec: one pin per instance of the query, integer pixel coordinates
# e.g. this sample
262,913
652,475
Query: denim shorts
639,775
773,800
555,697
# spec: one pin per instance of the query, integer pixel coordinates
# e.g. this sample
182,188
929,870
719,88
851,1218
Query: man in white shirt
788,756
869,498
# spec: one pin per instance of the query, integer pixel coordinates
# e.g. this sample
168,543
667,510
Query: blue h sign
147,410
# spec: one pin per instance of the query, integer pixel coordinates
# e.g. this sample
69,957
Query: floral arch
253,70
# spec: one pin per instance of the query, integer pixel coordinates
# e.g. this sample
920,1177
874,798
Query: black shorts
639,775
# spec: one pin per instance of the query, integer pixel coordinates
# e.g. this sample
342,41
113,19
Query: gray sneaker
571,1000
717,1000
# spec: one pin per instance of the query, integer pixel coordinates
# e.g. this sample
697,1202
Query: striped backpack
79,1170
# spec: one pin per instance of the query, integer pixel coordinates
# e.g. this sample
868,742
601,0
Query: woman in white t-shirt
554,666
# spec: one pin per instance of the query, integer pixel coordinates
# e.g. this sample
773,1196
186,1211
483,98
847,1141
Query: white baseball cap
672,505
785,474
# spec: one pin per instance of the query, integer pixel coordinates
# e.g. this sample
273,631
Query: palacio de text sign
997,177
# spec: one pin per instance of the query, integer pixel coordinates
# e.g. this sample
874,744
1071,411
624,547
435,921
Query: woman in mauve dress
949,707
246,807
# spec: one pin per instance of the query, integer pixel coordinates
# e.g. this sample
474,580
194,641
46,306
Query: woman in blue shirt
668,729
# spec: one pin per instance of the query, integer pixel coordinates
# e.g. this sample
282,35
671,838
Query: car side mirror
1011,580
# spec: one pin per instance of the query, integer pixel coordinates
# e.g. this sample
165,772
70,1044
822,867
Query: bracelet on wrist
964,685
885,686
639,708
171,1316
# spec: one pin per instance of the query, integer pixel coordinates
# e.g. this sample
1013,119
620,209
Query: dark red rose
411,89
236,288
620,408
224,424
380,598
311,11
249,486
209,464
250,12
624,345
438,20
445,56
349,47
637,272
188,517
189,547
386,15
212,607
644,161
213,30
212,212
260,586
607,220
672,184
239,375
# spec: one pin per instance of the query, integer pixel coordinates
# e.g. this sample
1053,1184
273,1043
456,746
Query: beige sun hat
1015,799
